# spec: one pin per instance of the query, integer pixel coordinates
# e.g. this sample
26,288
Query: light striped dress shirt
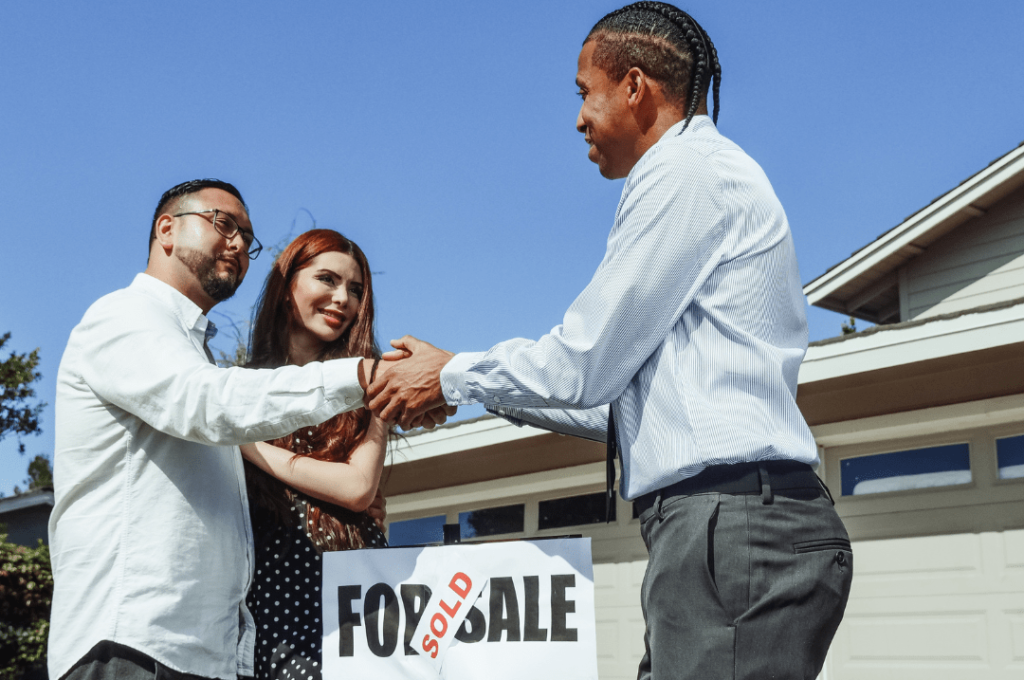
692,328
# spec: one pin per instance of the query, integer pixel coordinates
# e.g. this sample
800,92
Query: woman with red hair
309,491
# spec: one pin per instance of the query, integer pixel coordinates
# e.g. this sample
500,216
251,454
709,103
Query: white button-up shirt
693,327
150,538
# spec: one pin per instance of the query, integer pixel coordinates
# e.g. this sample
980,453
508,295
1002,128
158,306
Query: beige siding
978,264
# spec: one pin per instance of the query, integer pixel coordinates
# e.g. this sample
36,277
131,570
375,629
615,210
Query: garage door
938,588
935,608
620,621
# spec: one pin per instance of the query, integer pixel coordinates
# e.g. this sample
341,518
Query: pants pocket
822,544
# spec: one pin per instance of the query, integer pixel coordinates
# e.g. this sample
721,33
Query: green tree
40,475
26,589
19,412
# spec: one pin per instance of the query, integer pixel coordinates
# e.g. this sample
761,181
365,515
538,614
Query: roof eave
899,244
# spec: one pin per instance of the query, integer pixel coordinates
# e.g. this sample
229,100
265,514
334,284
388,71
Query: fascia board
28,501
919,224
465,437
563,480
896,347
930,421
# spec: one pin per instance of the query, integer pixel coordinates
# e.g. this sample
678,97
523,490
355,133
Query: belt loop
766,484
657,506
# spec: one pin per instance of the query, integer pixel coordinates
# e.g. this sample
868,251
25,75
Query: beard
218,286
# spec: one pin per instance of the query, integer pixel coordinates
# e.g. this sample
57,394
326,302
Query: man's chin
222,287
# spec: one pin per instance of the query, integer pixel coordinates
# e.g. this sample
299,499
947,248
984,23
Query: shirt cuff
511,414
341,383
453,378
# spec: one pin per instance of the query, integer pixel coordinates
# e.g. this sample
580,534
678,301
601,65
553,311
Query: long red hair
338,529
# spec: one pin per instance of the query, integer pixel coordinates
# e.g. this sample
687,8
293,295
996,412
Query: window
508,519
1010,454
572,511
417,531
903,470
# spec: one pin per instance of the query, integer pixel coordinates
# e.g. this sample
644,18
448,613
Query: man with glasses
150,538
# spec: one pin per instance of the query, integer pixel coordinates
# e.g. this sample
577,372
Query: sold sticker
445,613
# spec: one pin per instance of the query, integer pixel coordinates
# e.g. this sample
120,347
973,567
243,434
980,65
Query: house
920,426
24,517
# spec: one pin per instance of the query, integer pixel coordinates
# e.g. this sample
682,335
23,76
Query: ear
164,230
637,86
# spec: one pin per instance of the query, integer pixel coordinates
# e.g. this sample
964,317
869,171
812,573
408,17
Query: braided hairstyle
665,43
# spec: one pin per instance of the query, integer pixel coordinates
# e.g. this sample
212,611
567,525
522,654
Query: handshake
405,389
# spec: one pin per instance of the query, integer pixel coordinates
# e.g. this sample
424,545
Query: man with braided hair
682,353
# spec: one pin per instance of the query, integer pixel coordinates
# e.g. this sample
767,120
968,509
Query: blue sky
440,137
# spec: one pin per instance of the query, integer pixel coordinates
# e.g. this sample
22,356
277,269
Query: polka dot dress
285,595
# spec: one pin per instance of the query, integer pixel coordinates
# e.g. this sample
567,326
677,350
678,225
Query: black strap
613,449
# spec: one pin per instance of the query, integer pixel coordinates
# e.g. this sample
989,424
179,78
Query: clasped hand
407,387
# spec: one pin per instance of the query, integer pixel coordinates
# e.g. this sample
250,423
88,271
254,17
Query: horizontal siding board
975,236
968,272
959,252
971,297
979,263
1004,279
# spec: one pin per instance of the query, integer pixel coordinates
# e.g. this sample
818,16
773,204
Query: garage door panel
926,557
1013,547
620,628
918,636
608,636
990,562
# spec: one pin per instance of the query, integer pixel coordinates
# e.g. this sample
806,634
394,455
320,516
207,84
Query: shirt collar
698,121
188,312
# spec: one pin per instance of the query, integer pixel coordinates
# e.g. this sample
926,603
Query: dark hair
665,43
186,188
339,528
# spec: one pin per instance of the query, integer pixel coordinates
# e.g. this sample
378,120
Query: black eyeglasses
227,227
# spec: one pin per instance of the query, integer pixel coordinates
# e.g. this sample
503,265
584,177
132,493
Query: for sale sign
511,610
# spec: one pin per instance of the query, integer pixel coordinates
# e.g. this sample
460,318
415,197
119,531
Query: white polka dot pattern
285,595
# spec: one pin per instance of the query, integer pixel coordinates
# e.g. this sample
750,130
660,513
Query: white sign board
518,609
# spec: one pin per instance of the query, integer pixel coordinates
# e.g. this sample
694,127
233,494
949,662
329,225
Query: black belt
762,478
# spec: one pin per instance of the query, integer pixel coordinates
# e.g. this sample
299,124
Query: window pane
492,521
567,512
1010,453
417,531
903,470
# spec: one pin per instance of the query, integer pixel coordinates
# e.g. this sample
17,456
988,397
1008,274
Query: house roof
26,500
865,284
947,336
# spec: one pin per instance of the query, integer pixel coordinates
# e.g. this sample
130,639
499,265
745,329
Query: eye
357,292
582,95
326,278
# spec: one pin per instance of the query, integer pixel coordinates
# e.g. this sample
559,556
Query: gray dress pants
111,661
742,589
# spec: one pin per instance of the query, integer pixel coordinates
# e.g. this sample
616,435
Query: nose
341,295
236,242
580,125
